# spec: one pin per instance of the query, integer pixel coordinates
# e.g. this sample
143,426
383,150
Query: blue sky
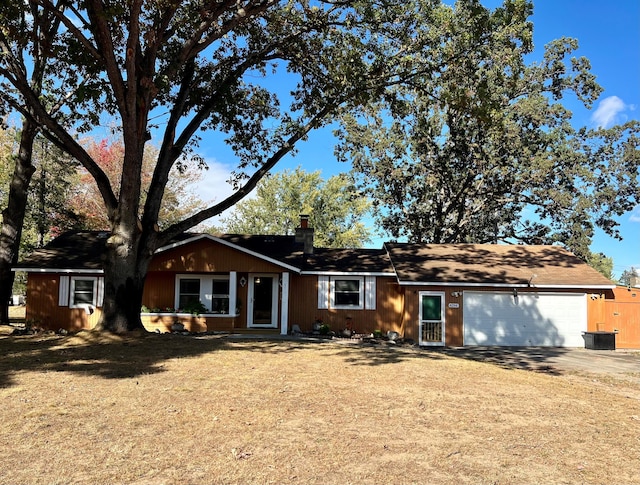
609,35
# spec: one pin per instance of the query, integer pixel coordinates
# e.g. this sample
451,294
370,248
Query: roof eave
505,285
348,273
59,270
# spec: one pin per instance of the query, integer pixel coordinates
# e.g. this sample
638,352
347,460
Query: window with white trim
83,292
220,295
189,292
217,293
80,291
346,292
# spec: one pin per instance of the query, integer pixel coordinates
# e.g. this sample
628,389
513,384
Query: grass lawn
167,409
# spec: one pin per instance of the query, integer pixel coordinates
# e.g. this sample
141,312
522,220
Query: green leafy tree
45,213
483,150
602,263
335,209
180,71
48,211
8,148
25,46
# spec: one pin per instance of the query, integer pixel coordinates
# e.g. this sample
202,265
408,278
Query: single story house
433,294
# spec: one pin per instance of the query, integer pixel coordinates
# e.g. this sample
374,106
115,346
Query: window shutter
370,293
323,292
63,291
100,296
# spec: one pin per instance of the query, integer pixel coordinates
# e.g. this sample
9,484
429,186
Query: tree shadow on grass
121,357
534,359
523,358
383,354
105,355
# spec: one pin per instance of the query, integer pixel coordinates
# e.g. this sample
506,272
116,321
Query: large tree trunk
13,215
125,268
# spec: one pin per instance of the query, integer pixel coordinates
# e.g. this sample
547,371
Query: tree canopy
484,150
336,211
178,71
179,200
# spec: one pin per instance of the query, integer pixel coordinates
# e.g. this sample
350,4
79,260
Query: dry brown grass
176,410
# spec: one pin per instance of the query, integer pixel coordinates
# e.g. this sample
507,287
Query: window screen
431,307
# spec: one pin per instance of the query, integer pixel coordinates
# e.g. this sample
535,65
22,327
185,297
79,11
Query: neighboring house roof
492,264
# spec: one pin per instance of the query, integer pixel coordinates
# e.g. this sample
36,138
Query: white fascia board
186,241
64,270
346,273
230,245
505,285
449,283
577,287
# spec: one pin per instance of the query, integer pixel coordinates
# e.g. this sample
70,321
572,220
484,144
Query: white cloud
214,186
635,214
609,111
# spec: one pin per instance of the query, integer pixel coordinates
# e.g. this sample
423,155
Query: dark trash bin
599,340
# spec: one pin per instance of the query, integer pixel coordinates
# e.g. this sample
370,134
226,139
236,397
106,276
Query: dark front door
263,299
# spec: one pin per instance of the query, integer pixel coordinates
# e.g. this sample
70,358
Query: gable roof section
492,265
77,251
283,250
81,251
279,250
372,262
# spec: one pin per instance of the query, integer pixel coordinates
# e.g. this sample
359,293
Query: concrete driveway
555,360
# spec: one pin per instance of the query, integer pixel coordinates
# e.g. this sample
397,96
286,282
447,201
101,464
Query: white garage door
528,319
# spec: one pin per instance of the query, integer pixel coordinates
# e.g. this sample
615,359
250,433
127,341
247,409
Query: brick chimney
304,234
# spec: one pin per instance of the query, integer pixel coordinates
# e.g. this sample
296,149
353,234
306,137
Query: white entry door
431,327
262,309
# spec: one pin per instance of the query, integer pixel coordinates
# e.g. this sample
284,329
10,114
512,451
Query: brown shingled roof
454,264
492,264
83,250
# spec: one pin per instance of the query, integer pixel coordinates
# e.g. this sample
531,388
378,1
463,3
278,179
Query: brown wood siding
159,290
206,256
159,293
43,311
617,311
304,311
454,317
196,324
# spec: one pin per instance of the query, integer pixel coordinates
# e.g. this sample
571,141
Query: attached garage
524,319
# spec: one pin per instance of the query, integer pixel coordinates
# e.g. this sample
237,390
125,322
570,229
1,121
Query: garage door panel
539,319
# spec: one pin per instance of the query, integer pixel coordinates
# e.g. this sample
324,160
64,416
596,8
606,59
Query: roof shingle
491,264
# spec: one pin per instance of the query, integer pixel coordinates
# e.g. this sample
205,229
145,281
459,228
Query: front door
263,301
431,326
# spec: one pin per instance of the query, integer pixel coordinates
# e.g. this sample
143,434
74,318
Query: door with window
431,326
263,301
